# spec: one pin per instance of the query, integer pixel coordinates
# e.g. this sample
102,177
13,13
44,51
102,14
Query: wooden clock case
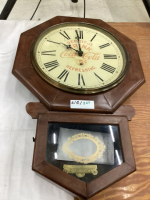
58,100
53,100
79,188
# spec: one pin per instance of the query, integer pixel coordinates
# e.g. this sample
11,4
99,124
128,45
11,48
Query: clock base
50,142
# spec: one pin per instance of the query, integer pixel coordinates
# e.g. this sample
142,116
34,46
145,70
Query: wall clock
84,60
80,65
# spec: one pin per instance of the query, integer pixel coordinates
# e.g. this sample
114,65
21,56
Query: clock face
80,58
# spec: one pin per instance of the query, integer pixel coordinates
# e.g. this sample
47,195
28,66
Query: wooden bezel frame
59,100
75,186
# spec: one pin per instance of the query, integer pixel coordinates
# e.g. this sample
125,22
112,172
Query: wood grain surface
137,185
34,108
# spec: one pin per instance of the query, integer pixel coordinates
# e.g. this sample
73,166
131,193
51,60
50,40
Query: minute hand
79,44
80,53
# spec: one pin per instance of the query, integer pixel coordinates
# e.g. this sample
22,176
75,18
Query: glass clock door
86,151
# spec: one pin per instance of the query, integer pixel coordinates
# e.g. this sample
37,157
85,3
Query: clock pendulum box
108,131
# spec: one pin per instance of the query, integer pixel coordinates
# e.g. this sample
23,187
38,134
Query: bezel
125,55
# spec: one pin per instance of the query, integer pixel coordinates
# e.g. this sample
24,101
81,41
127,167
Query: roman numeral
104,45
52,64
65,35
80,79
98,77
64,74
108,68
49,53
80,34
93,38
109,56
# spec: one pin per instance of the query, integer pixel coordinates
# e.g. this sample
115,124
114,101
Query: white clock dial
80,58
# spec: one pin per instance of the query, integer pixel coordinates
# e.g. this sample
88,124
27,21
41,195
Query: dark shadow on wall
7,9
147,6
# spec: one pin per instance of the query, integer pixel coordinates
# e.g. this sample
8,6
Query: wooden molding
35,108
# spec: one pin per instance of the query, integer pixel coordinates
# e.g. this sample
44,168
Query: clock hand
58,43
78,40
65,45
53,42
68,46
80,53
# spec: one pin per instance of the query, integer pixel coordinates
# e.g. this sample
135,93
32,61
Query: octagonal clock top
59,51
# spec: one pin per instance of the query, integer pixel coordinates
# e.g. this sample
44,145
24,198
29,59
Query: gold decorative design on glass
80,159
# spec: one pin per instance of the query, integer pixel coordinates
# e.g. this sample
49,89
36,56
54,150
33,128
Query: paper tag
81,104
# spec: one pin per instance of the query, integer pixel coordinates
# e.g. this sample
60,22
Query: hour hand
70,47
